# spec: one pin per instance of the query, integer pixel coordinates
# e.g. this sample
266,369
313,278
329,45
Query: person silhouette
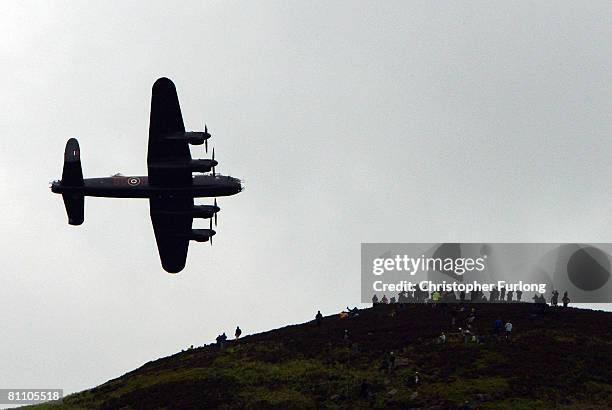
566,299
318,318
554,300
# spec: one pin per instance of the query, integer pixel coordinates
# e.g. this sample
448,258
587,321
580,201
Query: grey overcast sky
349,122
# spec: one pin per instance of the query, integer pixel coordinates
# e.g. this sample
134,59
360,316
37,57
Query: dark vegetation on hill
558,358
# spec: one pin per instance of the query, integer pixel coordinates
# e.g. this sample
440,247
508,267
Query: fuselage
139,187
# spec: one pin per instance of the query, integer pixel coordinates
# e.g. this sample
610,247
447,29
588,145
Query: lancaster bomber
170,186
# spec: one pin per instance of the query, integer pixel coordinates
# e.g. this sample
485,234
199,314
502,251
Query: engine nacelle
192,137
201,235
195,138
202,165
205,211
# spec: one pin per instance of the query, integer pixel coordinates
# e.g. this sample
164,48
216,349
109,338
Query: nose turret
236,185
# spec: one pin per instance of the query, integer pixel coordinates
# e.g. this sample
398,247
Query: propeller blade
206,145
213,168
211,236
216,212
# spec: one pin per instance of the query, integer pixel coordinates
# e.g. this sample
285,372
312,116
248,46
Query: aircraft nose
238,185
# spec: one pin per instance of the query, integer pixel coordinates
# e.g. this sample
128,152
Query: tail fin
72,176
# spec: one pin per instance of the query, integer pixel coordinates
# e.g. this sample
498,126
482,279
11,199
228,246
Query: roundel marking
134,181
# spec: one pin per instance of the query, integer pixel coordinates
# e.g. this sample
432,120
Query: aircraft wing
165,122
171,229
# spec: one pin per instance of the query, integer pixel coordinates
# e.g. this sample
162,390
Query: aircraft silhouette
170,185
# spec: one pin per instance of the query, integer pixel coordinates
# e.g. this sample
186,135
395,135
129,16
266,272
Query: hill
557,358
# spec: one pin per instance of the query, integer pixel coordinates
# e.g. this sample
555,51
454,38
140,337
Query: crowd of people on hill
464,327
420,296
470,332
495,296
463,319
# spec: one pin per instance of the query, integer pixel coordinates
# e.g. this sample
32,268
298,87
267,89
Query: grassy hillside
559,358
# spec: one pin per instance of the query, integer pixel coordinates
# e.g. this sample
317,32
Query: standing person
374,300
384,366
221,340
502,294
238,332
391,362
509,296
519,295
508,331
554,300
497,326
318,318
566,299
466,335
384,300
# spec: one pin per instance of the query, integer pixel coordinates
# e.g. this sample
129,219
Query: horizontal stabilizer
73,173
75,207
72,176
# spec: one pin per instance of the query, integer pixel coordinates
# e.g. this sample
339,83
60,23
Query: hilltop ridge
557,358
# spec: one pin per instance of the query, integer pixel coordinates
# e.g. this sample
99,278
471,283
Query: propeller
213,158
206,136
216,212
211,236
206,139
